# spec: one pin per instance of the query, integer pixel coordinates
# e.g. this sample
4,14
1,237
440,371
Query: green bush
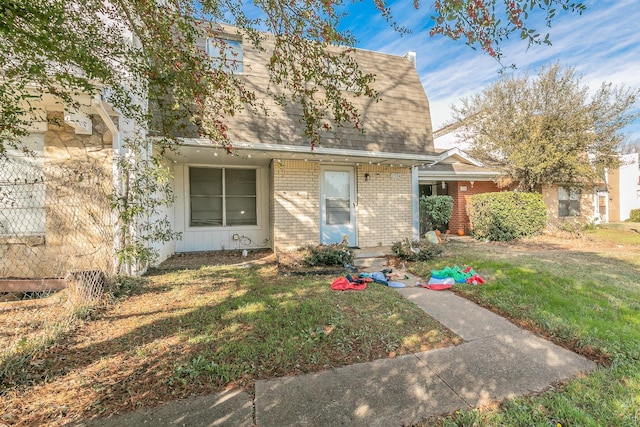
507,215
413,250
435,212
634,215
335,254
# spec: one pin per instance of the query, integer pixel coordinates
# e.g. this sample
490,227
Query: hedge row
507,215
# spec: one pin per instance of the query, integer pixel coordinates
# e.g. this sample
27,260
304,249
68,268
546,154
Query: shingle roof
399,123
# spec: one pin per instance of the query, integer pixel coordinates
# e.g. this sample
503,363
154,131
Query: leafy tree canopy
139,48
547,128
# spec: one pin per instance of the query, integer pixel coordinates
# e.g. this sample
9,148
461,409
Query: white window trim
187,204
571,192
215,54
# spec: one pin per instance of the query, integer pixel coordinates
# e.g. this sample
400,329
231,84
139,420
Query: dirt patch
288,262
195,260
292,263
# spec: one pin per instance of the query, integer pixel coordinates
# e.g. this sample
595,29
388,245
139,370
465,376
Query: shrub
634,215
435,212
335,254
413,250
507,215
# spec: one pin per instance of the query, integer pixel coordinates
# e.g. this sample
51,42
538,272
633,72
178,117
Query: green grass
260,325
627,233
583,300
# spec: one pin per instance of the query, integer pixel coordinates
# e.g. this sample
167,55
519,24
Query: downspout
116,138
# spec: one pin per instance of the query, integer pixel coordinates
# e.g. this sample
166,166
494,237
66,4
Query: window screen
222,197
568,201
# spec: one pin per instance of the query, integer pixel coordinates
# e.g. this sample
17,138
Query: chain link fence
56,238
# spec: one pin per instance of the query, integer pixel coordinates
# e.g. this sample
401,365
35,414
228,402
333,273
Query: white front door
337,205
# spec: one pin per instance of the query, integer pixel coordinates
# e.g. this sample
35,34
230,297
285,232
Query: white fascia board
323,151
455,151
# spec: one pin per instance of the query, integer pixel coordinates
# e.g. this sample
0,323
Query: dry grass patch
205,328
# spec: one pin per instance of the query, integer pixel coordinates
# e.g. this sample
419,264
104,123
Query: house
275,191
624,189
609,201
460,176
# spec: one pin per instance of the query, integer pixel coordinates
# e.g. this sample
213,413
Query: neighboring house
55,213
624,188
609,201
459,175
454,173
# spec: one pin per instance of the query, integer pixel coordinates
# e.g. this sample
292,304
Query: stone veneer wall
77,174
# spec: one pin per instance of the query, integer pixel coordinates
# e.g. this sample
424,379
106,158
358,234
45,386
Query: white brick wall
296,214
384,205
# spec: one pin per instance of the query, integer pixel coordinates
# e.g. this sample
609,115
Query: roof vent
411,56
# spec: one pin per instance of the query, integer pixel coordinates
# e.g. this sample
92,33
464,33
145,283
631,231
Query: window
568,201
22,190
222,197
226,54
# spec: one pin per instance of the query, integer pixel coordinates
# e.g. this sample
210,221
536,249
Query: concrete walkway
497,360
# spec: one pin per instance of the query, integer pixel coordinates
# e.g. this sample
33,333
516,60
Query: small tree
139,204
547,129
435,212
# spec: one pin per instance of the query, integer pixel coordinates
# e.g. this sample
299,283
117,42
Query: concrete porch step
371,258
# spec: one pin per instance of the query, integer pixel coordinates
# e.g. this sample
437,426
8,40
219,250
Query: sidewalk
497,360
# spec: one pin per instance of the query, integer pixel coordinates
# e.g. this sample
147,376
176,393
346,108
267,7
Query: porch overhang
456,172
194,150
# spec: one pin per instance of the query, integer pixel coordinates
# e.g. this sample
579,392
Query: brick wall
384,205
295,211
459,218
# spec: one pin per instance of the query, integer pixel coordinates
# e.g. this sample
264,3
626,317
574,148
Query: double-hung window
22,190
223,197
226,54
568,201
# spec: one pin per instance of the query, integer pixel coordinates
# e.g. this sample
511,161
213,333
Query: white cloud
603,45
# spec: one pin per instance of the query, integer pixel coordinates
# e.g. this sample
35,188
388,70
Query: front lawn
622,233
203,329
587,300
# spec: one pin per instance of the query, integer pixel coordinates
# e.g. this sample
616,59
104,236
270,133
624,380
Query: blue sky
603,44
